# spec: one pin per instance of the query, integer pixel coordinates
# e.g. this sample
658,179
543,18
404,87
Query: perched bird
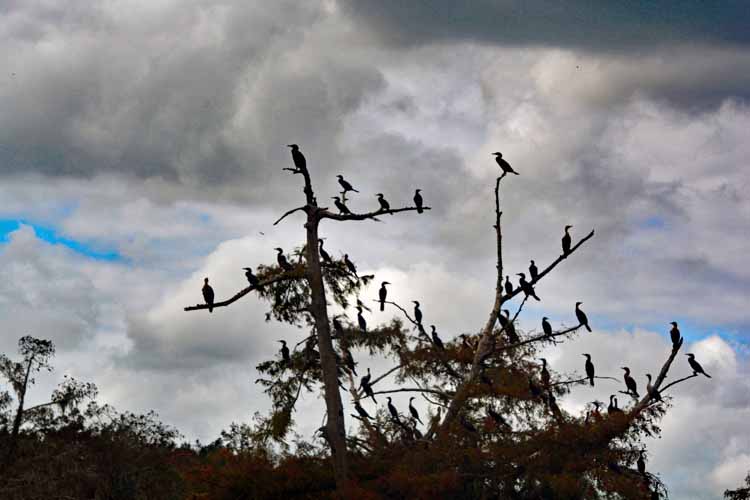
566,241
533,271
345,184
504,165
361,320
652,392
383,294
299,159
435,339
384,205
417,312
589,369
350,265
208,295
546,327
507,325
361,411
368,392
363,306
552,403
534,389
338,328
697,368
281,259
630,382
675,334
284,352
582,319
349,362
414,412
365,380
612,408
528,290
251,278
323,254
544,374
508,286
392,410
343,209
641,464
422,332
418,201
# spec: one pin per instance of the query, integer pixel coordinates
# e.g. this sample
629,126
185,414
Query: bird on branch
630,382
349,362
417,312
418,201
281,259
613,408
508,286
566,241
641,463
414,412
507,325
544,373
392,410
251,278
533,271
528,290
674,333
350,265
208,295
697,368
363,306
546,327
367,388
343,209
583,320
361,411
384,205
383,294
338,328
504,165
345,185
589,369
323,254
299,159
436,340
361,320
652,392
284,352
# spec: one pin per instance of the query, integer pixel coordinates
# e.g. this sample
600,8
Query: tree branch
585,379
677,382
281,277
325,214
290,212
414,389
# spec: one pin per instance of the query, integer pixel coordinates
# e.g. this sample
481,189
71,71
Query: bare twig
325,214
677,382
290,212
245,291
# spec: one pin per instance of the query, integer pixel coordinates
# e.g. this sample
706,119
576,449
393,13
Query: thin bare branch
581,380
289,212
677,382
325,214
280,277
414,389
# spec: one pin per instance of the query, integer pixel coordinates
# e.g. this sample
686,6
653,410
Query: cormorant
422,331
589,369
208,295
566,241
534,389
675,334
612,408
414,412
392,410
349,362
418,201
345,185
368,390
281,259
323,254
582,319
526,286
504,165
533,271
361,411
653,393
251,278
508,286
546,327
284,351
552,403
384,205
383,293
417,312
435,339
544,374
350,265
361,320
365,380
343,209
641,464
630,382
338,328
299,159
697,368
507,325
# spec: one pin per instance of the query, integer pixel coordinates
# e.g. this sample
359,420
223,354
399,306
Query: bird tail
382,305
210,309
537,298
587,327
591,381
706,374
419,210
514,172
354,190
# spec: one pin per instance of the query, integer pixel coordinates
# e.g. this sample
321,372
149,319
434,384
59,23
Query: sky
142,147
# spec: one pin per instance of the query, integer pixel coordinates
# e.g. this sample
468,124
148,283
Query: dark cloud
590,25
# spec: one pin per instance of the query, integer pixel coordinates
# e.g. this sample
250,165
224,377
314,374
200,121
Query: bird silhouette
417,312
345,184
323,254
674,333
504,165
392,410
383,294
546,327
361,320
435,339
507,324
582,318
697,368
299,159
589,369
350,265
384,205
284,352
544,373
251,278
566,241
413,411
651,390
361,411
528,290
630,382
281,259
508,286
533,271
208,295
343,209
418,201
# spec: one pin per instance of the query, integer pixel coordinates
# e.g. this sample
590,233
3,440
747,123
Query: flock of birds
504,319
